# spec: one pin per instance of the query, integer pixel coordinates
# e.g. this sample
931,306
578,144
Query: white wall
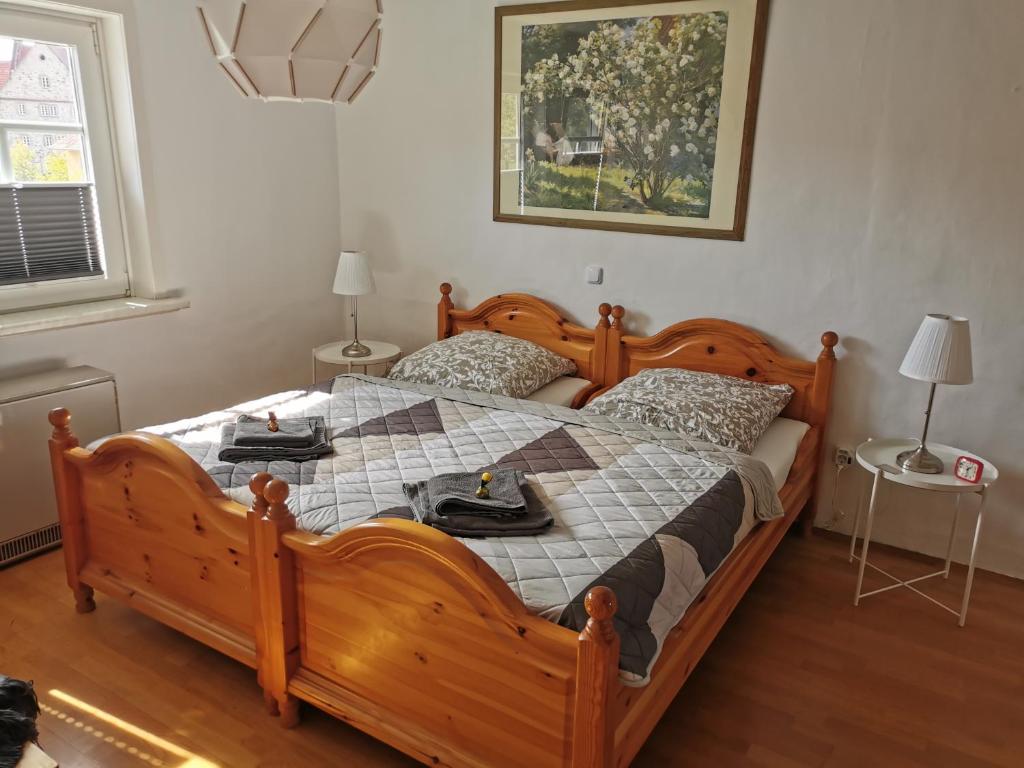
886,184
242,201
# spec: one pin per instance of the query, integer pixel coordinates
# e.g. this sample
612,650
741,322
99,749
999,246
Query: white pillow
486,362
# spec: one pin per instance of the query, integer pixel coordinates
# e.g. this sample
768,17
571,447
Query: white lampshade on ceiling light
298,50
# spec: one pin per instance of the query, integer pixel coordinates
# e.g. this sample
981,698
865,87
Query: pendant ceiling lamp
295,50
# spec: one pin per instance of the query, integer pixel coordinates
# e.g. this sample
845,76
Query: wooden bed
362,624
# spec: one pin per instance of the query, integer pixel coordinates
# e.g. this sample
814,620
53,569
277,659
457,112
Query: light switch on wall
595,275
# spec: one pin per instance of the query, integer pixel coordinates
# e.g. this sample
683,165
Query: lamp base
355,349
920,460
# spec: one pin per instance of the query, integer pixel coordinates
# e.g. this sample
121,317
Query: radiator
28,510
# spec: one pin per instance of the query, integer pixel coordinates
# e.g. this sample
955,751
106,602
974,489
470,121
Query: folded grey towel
238,454
291,433
534,521
455,493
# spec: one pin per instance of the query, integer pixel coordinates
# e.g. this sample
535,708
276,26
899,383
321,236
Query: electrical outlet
843,457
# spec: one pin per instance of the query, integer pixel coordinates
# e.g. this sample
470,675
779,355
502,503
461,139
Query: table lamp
354,279
940,354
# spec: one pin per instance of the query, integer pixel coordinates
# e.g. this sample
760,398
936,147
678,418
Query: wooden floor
798,678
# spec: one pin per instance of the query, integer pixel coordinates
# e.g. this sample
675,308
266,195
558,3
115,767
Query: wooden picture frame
642,202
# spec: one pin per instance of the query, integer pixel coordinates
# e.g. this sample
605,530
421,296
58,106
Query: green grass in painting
572,188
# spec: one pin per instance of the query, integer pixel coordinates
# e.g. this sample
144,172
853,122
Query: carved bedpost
69,507
613,366
817,414
600,373
274,564
256,511
444,306
597,670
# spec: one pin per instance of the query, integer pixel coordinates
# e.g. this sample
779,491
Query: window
22,110
61,233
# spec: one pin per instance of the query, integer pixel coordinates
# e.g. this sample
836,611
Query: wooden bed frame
393,626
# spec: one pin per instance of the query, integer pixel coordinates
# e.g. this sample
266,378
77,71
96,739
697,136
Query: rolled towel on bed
291,433
444,502
237,454
456,493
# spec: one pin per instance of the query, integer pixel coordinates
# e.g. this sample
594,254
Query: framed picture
627,115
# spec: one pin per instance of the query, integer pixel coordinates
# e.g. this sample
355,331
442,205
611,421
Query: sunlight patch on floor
189,759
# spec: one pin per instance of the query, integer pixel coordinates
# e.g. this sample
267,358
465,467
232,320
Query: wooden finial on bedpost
444,308
817,414
604,310
257,483
617,314
278,619
276,495
597,668
829,339
69,507
60,420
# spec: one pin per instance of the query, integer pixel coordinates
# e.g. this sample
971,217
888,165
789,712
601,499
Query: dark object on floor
19,709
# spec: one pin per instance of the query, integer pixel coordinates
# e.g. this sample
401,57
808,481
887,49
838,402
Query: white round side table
879,458
381,353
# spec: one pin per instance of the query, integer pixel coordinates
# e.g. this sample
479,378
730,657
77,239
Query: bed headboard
533,319
720,346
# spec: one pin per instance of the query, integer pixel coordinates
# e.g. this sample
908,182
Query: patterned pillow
486,362
723,410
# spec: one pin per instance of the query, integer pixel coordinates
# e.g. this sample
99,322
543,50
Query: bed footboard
405,633
144,524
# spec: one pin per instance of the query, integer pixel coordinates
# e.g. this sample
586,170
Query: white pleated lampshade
941,351
353,277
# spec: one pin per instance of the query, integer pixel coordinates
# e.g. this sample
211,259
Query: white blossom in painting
623,115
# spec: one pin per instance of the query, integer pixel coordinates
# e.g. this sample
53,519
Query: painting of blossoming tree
620,116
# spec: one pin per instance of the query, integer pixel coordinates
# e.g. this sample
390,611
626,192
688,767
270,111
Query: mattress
777,449
561,391
778,445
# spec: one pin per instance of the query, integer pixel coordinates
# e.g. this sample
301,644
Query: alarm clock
969,469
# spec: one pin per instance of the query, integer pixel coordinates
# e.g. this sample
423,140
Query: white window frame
44,81
102,48
47,110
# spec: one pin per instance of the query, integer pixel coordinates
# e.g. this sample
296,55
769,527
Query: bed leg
84,602
288,709
807,516
69,507
276,621
597,669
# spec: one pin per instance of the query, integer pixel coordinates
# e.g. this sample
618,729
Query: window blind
48,233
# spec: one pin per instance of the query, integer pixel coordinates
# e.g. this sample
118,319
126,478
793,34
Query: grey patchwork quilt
642,510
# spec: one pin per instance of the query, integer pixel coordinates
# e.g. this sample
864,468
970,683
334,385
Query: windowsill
51,318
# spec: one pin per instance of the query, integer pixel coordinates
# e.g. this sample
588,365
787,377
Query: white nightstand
381,353
879,458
